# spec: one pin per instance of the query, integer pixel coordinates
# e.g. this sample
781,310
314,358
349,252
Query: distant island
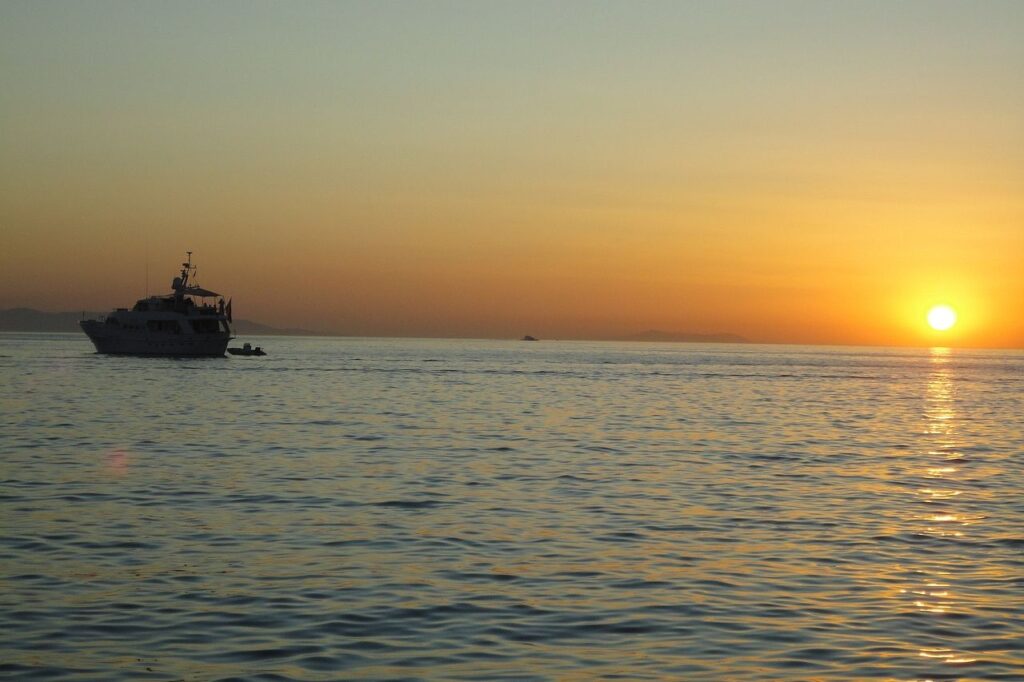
31,320
658,335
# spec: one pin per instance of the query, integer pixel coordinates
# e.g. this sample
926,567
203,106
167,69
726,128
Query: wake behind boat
176,324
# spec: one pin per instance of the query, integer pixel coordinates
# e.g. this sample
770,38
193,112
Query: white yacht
180,323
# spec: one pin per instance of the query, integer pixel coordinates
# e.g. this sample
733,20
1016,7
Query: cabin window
205,326
163,326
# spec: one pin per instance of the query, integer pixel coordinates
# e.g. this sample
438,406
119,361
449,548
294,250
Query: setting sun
941,317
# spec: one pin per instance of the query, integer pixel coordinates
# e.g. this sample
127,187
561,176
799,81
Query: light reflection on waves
557,512
936,588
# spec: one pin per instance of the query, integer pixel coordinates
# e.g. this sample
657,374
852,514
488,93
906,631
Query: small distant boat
247,349
179,324
529,338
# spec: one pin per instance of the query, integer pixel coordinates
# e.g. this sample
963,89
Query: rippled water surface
481,510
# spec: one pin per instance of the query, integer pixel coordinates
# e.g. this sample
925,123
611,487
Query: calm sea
484,510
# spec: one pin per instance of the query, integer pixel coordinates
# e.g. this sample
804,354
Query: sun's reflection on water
946,655
935,593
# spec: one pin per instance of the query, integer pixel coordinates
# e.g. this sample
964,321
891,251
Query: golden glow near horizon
788,171
941,317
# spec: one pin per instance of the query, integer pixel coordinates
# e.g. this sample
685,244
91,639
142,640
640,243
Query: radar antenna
187,270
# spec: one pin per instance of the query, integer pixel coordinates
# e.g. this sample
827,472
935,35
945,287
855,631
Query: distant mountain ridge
31,320
658,335
258,329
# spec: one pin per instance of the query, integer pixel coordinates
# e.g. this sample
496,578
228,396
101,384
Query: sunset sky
809,172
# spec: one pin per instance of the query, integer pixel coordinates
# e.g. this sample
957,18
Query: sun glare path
941,317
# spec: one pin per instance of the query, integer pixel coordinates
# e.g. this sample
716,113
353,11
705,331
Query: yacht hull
143,342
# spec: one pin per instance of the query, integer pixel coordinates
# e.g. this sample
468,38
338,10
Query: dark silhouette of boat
247,349
529,338
178,324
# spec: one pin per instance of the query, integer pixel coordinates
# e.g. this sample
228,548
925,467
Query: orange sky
791,172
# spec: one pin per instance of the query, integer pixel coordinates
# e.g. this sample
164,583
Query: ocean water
484,510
